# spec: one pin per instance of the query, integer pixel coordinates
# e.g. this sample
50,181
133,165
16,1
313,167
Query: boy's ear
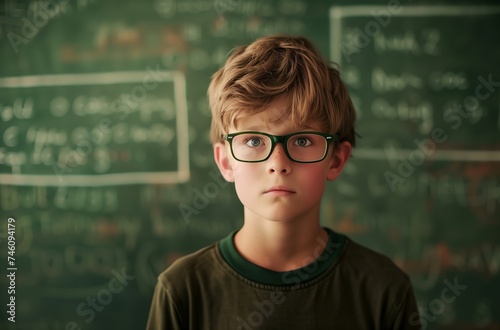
222,160
339,158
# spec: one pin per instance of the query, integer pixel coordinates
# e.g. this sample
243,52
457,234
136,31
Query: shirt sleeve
407,316
164,314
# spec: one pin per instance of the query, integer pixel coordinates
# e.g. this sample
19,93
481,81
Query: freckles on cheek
245,186
238,172
246,179
242,175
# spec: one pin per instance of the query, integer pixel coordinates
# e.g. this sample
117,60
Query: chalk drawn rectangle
181,174
338,13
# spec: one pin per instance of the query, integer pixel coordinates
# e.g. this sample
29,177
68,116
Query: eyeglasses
301,147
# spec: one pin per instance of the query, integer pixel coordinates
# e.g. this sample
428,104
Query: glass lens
251,146
306,147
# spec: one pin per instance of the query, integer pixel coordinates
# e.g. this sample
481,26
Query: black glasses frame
283,139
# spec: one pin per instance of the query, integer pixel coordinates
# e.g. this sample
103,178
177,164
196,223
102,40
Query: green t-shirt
346,286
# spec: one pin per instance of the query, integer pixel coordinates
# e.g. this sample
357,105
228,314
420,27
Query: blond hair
281,66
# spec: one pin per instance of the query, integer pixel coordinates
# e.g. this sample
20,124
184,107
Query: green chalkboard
104,127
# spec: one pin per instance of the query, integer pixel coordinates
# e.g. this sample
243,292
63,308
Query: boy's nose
279,162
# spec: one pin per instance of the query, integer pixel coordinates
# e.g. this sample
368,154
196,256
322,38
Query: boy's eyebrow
252,128
257,128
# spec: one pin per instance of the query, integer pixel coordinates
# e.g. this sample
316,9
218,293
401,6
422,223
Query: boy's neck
281,246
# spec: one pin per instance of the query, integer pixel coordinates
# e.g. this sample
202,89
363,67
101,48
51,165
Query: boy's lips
279,189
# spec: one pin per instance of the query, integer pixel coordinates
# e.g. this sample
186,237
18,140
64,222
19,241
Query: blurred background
107,169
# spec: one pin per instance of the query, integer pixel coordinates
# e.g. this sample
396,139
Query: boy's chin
277,216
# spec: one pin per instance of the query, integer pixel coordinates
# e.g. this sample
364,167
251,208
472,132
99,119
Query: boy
282,125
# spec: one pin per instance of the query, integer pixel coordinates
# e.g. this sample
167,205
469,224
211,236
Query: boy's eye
302,142
254,142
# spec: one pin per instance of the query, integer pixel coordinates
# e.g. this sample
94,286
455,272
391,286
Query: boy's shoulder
191,263
371,265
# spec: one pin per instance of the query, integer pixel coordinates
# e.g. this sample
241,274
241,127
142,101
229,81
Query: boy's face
279,189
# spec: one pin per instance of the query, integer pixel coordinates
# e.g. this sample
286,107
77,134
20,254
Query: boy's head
276,67
280,103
